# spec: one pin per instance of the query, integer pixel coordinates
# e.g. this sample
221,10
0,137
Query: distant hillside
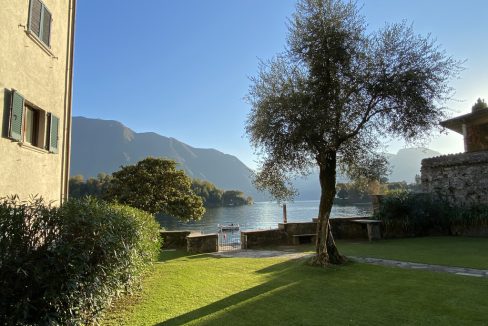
105,145
406,163
404,166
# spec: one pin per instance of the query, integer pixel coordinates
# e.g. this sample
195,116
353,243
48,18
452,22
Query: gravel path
246,253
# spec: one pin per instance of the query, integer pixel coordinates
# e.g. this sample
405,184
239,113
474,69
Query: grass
205,290
449,251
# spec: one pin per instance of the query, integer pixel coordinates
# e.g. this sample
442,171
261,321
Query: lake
261,215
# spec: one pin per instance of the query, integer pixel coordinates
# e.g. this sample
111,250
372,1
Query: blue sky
180,68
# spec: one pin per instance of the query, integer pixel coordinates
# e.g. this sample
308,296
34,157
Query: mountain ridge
105,145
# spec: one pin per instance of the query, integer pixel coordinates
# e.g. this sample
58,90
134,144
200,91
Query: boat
229,227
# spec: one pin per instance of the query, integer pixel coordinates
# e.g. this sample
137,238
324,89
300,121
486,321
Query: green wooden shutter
16,116
53,133
35,17
46,26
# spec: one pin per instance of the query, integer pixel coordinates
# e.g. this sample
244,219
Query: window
32,125
40,21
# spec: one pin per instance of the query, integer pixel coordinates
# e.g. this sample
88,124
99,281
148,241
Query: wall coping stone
257,231
196,235
470,158
175,232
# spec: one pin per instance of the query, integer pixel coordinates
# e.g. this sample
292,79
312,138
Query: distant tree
342,194
95,187
210,194
479,105
341,190
156,186
336,91
235,198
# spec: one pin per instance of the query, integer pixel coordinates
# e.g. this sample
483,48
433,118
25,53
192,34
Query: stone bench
298,239
373,226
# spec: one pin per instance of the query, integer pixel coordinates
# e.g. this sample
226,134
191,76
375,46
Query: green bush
62,266
411,214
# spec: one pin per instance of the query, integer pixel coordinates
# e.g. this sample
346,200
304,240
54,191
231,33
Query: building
36,72
461,179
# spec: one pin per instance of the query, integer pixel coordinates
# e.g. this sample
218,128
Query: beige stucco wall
43,79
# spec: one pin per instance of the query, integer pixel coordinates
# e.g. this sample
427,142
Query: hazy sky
180,68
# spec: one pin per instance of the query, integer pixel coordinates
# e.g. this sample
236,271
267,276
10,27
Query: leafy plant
62,266
413,214
156,186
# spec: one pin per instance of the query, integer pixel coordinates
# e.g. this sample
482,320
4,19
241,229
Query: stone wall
295,228
202,243
258,238
174,239
344,228
461,179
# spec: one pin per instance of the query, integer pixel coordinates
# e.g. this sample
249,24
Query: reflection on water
261,215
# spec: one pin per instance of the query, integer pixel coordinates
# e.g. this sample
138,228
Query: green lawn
450,251
204,290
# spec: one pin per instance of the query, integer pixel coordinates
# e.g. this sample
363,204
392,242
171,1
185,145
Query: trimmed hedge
63,266
413,214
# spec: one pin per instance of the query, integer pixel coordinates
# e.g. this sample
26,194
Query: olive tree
334,93
156,186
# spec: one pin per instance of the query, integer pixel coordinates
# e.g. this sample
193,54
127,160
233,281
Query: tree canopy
334,93
215,197
479,105
156,186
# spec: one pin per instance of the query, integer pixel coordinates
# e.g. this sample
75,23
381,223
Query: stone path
428,267
246,253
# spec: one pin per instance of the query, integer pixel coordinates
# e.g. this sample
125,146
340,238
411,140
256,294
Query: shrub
64,265
412,214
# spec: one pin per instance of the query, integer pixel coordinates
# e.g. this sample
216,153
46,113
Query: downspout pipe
69,100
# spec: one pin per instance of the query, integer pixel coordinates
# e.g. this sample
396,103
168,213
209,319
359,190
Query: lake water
261,215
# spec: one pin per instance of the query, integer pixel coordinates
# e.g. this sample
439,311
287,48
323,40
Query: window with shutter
16,116
40,21
53,133
35,17
46,27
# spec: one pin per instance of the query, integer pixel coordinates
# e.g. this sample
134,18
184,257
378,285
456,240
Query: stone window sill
41,44
33,148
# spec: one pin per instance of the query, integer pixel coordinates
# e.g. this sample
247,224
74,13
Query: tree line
153,178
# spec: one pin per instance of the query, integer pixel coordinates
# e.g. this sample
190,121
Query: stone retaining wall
258,238
461,179
343,228
202,243
174,239
295,228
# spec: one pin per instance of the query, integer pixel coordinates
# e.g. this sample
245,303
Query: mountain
406,163
106,145
404,166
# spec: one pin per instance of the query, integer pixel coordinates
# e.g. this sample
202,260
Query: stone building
36,75
462,179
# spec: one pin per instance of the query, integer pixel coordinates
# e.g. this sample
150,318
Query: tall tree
156,186
335,91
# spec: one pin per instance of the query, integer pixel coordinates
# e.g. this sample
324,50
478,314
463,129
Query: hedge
63,266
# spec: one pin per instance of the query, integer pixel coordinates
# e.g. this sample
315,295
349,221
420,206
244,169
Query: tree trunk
326,249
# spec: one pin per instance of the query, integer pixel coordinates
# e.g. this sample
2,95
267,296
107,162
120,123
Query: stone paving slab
434,268
247,253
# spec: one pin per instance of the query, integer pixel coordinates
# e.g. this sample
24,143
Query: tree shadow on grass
354,294
278,282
